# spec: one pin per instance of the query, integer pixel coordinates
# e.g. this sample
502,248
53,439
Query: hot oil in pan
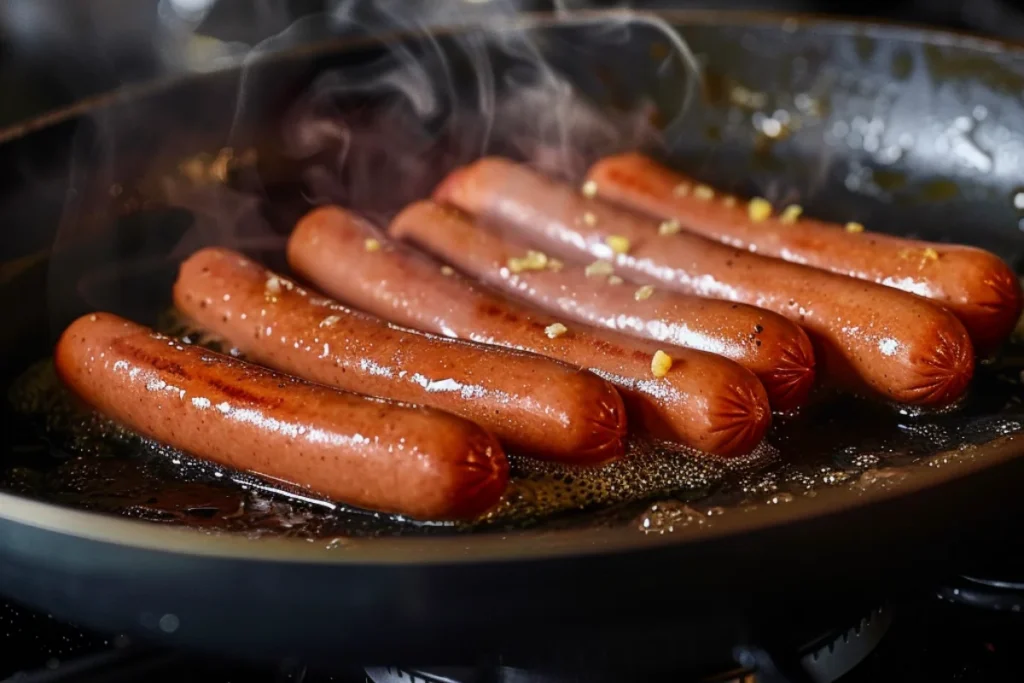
71,456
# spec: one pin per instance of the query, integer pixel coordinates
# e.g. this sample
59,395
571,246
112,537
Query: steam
486,84
415,90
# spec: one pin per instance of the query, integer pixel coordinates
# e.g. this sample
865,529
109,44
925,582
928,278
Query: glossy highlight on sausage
772,347
704,401
976,285
868,338
535,404
384,456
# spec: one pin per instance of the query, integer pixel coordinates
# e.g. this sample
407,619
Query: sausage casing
868,338
976,285
538,405
704,401
370,453
775,349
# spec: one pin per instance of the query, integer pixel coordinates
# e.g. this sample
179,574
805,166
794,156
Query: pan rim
837,24
496,546
493,546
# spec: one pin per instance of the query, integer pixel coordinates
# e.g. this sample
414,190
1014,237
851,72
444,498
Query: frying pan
906,130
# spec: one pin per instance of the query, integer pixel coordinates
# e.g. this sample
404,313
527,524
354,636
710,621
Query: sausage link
535,404
976,285
869,338
704,401
775,349
365,452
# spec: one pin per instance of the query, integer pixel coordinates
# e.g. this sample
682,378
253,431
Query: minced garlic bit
854,227
589,219
330,320
669,227
924,256
273,285
791,213
555,265
371,244
681,190
599,268
644,292
729,201
534,260
447,270
589,189
703,192
759,209
661,363
614,280
555,330
618,243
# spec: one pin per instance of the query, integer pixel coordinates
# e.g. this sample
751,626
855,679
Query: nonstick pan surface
908,131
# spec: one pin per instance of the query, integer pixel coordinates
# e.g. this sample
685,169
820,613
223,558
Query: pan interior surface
905,131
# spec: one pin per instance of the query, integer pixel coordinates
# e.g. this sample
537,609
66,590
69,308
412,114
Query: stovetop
966,630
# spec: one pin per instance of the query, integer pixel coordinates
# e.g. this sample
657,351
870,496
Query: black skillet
905,130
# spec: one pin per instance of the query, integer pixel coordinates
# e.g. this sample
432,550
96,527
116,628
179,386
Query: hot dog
366,452
976,285
703,401
869,338
538,405
773,348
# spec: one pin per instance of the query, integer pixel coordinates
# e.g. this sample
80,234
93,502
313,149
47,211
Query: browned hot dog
544,407
366,452
773,348
703,401
868,337
976,285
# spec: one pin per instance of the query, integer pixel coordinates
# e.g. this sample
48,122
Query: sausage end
994,313
943,370
742,417
790,381
604,432
482,481
450,190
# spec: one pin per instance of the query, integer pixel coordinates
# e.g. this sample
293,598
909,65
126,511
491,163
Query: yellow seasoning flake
854,227
703,192
614,280
644,292
589,219
661,363
791,213
929,254
599,269
589,189
447,270
371,244
669,227
534,260
759,209
555,330
681,190
555,265
617,243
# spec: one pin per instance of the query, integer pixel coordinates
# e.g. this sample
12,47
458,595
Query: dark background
53,52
